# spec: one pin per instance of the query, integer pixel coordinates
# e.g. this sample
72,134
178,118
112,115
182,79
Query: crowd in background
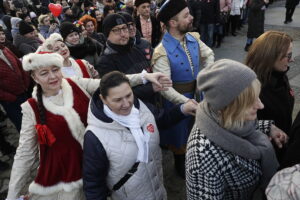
91,40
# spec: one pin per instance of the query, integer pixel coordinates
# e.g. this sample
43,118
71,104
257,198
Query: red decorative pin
292,92
150,128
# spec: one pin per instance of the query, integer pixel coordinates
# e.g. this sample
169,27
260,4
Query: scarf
247,142
132,121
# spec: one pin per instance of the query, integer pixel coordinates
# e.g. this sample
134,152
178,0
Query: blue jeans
219,29
207,33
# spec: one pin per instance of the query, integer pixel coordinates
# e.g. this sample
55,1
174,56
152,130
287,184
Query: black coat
292,154
89,50
278,99
129,60
205,11
256,19
291,3
156,32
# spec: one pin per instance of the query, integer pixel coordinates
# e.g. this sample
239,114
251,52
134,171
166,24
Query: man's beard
185,29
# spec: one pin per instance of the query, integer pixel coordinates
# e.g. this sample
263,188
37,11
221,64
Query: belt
187,87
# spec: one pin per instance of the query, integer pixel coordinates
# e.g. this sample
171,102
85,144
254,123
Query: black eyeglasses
119,30
289,56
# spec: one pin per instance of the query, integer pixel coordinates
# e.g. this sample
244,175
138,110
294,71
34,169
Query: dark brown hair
111,80
40,104
265,51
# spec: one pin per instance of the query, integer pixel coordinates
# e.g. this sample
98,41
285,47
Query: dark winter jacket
14,80
99,37
292,154
87,49
12,48
205,11
26,45
7,23
129,60
95,158
156,32
291,3
256,18
143,45
278,99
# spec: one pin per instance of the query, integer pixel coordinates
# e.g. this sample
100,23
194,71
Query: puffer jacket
110,151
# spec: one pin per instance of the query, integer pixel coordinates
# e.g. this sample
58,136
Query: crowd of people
97,91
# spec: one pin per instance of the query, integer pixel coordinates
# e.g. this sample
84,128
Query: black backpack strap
125,178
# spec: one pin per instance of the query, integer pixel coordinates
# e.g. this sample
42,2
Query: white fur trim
36,188
50,41
34,61
72,118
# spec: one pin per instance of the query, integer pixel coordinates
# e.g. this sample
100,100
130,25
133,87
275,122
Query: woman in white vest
122,156
53,126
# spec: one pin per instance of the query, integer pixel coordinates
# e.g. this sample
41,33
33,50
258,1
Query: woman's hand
190,107
278,136
159,81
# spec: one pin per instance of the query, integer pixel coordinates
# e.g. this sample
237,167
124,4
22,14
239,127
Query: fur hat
67,28
50,41
35,61
223,81
169,9
25,28
137,3
110,21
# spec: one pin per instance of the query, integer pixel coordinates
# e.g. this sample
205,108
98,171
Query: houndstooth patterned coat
213,173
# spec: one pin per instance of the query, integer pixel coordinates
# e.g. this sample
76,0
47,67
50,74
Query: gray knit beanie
223,81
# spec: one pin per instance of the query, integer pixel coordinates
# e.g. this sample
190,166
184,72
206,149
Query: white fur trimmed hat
50,41
34,61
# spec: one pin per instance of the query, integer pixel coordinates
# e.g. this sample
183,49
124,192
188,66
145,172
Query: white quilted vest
121,150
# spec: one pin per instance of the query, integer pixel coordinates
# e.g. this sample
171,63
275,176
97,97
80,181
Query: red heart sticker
150,128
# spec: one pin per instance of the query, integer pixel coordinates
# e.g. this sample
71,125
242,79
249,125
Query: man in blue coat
180,55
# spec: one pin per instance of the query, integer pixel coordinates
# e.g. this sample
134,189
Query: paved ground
232,47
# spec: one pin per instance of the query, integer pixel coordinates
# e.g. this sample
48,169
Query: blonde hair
233,115
42,18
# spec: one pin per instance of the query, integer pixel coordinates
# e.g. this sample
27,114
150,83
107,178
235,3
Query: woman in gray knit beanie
228,156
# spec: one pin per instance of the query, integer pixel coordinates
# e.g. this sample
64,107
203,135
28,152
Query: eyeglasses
130,24
289,56
119,30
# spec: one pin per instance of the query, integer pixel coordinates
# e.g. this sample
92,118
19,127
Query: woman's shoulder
205,152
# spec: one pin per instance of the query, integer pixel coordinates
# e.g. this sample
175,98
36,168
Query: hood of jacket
20,39
97,117
14,21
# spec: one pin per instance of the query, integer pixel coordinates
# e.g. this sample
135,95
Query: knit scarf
132,121
247,142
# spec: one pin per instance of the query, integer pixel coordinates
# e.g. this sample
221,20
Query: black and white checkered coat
213,173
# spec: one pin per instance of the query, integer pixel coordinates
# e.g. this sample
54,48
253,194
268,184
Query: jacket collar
173,43
96,107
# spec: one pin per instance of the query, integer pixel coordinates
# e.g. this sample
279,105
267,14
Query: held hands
190,107
160,82
278,136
